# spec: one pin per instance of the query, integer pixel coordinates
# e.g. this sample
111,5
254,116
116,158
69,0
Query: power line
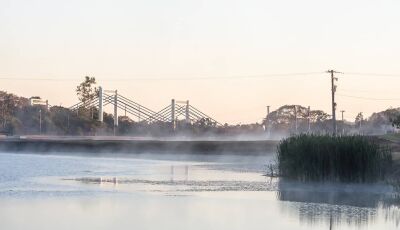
372,74
367,91
261,76
369,98
37,79
169,78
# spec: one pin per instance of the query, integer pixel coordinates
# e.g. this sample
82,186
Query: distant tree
359,118
383,118
9,106
393,116
396,122
286,114
126,126
87,90
318,116
284,118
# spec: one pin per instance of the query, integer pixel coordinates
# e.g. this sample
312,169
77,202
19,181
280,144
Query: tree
393,116
396,122
9,106
318,116
359,119
87,91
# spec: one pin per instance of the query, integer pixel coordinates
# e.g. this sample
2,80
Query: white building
38,101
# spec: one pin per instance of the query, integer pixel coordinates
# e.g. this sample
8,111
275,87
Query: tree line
18,117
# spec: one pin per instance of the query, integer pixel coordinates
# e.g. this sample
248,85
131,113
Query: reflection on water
335,215
154,192
391,213
359,195
337,203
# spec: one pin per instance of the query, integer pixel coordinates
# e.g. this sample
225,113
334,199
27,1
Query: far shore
180,145
48,144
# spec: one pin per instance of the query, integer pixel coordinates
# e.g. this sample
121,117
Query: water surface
178,192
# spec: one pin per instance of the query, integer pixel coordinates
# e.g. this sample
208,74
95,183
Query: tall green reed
333,158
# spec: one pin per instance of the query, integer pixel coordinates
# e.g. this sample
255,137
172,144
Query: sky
229,58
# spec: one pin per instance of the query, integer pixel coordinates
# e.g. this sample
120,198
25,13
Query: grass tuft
333,158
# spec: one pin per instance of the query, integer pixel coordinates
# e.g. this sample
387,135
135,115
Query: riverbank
95,145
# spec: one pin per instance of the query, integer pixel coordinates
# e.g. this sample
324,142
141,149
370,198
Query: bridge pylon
101,113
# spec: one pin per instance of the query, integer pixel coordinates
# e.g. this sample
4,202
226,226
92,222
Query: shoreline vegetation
358,159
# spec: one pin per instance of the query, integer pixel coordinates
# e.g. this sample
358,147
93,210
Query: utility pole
295,118
308,118
173,114
267,117
187,112
333,79
40,121
342,111
100,116
267,121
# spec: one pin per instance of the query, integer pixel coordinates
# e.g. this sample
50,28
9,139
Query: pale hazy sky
162,48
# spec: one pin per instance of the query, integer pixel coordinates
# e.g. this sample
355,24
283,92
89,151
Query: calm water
178,192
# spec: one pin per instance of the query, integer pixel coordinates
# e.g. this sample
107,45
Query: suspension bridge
176,111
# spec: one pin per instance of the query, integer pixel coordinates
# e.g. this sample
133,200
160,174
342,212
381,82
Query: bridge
176,111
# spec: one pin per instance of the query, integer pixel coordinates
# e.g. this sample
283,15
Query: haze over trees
18,117
297,119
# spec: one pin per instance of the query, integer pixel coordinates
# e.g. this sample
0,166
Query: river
176,191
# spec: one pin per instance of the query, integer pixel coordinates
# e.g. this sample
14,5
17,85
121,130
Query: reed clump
333,158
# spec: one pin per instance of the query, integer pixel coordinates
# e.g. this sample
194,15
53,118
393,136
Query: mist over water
177,191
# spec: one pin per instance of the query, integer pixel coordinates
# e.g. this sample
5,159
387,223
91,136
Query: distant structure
170,114
35,100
